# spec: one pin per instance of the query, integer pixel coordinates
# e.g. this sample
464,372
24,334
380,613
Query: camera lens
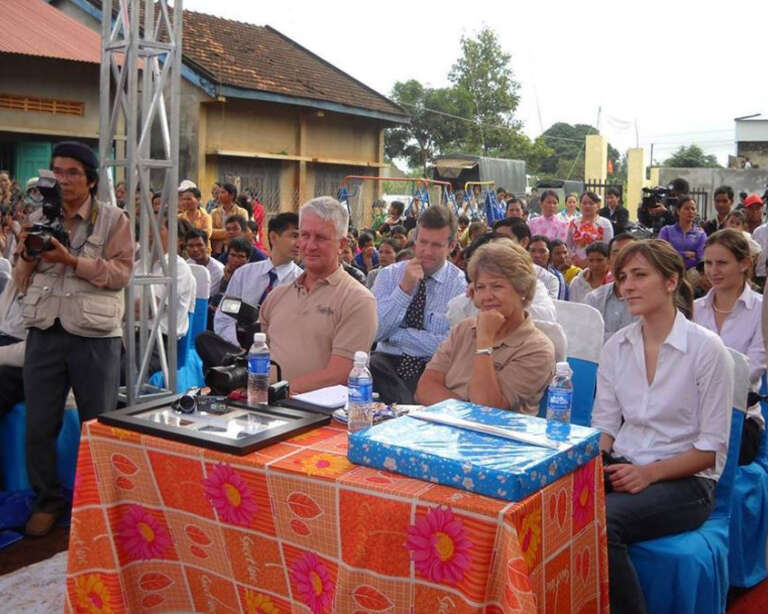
186,404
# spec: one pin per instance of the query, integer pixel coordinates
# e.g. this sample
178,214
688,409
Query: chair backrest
740,390
556,335
583,326
197,322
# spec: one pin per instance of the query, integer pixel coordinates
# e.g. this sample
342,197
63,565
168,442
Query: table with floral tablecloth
160,526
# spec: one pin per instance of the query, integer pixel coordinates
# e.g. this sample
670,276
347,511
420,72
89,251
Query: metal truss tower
139,133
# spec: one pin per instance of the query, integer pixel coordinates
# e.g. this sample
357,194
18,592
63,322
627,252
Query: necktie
410,367
272,274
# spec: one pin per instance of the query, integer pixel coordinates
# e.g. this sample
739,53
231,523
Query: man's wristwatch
488,351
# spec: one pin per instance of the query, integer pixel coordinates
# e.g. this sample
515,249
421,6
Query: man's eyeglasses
69,173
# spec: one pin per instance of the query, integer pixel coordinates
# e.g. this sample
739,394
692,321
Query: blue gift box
477,462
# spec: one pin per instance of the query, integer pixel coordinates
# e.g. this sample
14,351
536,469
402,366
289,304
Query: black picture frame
298,421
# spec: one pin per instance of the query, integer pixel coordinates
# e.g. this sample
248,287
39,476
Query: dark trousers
11,381
751,437
212,349
663,508
391,387
56,360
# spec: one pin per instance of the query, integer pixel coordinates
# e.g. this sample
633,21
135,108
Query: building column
301,171
596,158
635,180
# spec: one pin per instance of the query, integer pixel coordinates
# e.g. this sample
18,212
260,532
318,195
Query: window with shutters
42,105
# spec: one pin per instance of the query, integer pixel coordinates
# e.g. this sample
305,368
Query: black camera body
39,236
652,197
232,374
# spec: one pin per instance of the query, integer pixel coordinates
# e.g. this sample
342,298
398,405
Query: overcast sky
682,70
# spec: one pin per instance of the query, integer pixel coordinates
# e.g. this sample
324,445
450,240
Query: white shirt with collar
550,281
688,404
248,283
216,270
186,288
760,234
742,331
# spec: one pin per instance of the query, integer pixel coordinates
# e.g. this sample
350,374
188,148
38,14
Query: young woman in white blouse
663,405
733,310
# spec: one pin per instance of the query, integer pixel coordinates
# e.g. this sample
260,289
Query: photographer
656,210
73,309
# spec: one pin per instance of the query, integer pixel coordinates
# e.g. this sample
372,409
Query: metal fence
599,188
702,203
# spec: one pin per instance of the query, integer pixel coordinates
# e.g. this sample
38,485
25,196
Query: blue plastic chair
583,327
13,456
189,372
687,573
749,519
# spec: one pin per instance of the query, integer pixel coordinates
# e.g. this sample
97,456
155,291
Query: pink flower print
230,496
583,496
141,535
439,546
314,583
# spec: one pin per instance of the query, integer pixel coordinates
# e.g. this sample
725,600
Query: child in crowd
596,274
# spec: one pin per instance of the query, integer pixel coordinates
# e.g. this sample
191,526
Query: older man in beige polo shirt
316,324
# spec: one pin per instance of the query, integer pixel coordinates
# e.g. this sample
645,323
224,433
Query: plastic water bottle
360,399
559,402
258,371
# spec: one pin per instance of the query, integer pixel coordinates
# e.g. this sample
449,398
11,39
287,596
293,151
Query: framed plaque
224,425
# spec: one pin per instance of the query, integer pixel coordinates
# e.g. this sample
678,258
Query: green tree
567,159
692,156
432,130
483,76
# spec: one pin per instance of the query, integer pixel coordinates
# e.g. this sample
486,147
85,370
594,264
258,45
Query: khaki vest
56,292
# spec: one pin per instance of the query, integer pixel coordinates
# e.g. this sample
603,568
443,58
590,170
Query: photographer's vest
56,292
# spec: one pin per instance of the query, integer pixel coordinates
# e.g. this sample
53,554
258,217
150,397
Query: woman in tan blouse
190,209
497,358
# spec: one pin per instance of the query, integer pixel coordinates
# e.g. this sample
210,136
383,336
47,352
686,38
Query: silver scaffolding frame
141,44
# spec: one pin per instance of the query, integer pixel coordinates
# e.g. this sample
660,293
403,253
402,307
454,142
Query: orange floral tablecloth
159,526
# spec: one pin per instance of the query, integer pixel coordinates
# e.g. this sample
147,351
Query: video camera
39,236
246,319
652,197
232,373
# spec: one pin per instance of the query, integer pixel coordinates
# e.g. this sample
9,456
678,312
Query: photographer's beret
77,150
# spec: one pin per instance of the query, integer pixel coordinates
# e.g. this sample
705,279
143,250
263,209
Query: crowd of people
448,308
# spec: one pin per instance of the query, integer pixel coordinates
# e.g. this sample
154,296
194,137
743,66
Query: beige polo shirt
305,328
524,362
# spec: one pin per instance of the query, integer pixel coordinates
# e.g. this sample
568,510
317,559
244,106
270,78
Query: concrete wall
707,179
22,75
751,130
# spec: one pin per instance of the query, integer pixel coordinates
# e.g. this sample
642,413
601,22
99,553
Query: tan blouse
524,362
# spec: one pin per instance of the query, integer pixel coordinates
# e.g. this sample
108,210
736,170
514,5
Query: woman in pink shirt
548,223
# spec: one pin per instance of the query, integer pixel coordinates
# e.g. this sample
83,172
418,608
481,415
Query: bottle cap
361,358
259,337
563,368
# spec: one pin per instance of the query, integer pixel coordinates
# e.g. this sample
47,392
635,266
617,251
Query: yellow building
257,109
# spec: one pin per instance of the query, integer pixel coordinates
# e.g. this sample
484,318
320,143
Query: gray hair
330,210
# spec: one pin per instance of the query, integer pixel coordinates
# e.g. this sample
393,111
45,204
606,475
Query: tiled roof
261,58
34,27
243,55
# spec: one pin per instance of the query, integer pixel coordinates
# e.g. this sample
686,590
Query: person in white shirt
733,310
663,406
252,283
186,289
597,273
198,252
